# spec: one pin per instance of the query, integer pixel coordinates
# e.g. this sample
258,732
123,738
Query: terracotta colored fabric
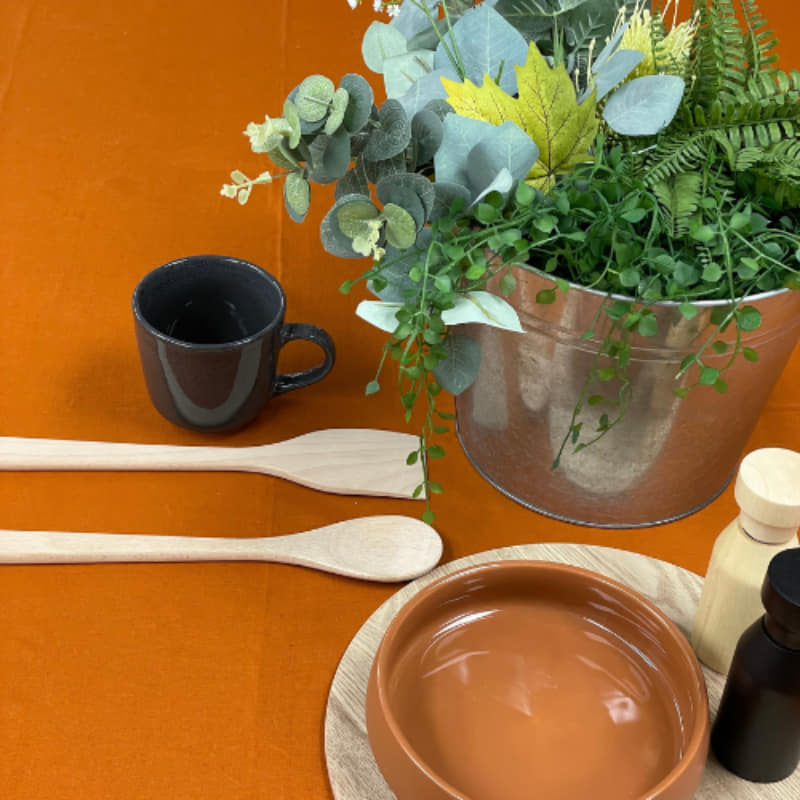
118,124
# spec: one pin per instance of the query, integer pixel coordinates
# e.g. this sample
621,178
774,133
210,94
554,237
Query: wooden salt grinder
767,491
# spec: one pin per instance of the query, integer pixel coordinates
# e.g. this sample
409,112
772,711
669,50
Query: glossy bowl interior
525,679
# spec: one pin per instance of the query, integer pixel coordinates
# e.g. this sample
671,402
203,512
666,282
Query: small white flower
366,242
390,7
267,135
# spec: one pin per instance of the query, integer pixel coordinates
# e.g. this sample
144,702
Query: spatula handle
18,453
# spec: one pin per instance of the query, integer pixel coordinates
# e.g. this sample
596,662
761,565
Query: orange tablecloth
118,124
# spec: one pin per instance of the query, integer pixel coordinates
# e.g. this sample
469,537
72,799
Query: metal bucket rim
752,298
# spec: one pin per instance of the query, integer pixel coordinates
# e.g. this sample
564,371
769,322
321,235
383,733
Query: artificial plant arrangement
596,142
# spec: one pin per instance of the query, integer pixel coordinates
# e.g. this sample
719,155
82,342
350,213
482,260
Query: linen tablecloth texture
118,124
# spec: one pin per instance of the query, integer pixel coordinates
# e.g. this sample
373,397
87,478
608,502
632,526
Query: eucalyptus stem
453,56
460,65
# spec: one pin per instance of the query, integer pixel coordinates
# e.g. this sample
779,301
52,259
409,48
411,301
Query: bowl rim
699,734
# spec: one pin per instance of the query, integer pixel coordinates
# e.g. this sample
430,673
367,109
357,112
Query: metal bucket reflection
667,458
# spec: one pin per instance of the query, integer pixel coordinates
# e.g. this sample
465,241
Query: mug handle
311,333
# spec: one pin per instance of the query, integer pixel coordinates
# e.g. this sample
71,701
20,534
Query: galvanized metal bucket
667,458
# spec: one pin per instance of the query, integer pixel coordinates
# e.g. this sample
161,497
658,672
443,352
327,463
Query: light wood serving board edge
352,770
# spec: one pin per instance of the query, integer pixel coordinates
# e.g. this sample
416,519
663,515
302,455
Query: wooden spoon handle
57,547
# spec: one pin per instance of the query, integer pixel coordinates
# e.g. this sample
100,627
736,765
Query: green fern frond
784,190
681,152
678,198
747,158
666,57
760,42
720,62
777,173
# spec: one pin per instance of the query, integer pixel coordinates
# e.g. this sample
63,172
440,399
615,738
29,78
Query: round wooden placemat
352,770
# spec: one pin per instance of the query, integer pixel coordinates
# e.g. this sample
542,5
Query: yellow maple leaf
488,102
547,109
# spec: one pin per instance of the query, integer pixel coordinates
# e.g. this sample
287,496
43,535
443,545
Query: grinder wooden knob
768,493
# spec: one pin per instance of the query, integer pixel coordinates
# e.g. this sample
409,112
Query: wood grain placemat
352,770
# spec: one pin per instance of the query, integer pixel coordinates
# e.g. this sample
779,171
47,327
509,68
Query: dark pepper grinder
757,731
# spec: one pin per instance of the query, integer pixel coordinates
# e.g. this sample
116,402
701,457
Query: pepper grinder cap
780,594
768,493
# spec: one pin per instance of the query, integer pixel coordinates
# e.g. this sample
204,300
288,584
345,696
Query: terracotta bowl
522,679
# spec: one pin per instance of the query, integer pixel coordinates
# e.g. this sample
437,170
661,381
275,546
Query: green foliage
547,109
699,206
739,123
575,23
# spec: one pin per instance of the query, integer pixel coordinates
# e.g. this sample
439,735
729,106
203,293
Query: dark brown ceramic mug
209,330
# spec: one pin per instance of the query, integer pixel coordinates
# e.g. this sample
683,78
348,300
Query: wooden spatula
360,461
381,548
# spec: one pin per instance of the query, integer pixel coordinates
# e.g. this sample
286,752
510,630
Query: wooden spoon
382,548
340,460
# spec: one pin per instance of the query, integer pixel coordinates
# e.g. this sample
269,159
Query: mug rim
216,346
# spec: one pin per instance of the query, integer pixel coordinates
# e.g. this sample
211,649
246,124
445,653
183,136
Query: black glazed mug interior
209,300
209,330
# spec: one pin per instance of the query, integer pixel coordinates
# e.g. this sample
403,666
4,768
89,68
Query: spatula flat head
362,461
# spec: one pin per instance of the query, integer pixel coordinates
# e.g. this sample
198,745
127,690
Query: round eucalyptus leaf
411,202
283,158
358,142
426,136
313,98
377,170
445,195
306,127
458,371
392,134
354,181
336,156
338,107
401,229
330,157
381,41
359,105
352,215
293,119
331,236
413,192
296,196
